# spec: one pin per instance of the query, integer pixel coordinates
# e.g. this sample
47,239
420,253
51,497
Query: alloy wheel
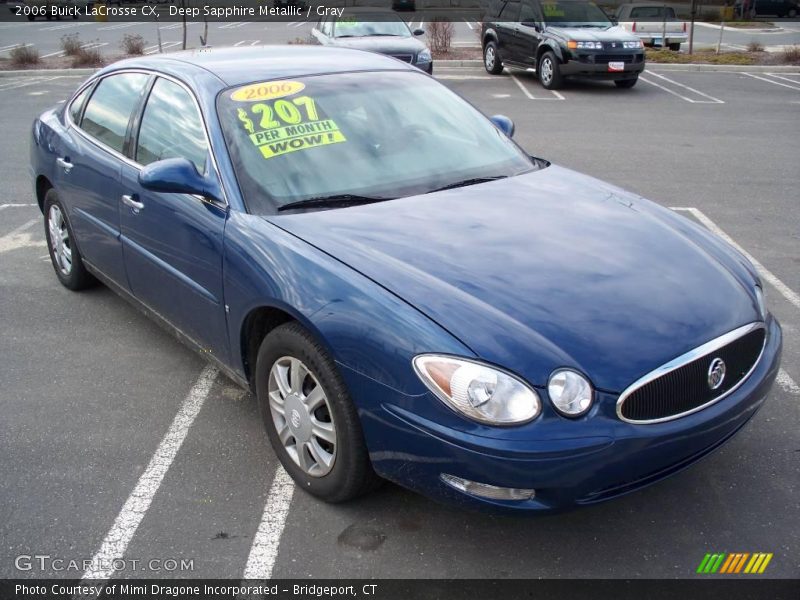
302,416
59,240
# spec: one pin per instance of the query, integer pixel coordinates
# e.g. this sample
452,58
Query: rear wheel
675,47
549,72
310,419
491,59
626,83
64,253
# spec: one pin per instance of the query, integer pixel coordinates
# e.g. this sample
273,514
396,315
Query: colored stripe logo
734,563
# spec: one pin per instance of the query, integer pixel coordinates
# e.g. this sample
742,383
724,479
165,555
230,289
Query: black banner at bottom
403,589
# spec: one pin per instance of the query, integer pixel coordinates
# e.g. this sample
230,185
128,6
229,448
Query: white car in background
651,22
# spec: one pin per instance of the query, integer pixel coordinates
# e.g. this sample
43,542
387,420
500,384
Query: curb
39,72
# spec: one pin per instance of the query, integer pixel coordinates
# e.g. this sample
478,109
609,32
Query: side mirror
419,32
504,124
178,176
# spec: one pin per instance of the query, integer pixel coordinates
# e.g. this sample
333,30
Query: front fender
365,327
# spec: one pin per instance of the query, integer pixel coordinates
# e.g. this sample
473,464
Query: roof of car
235,66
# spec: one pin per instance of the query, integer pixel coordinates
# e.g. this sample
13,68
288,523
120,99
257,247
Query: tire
626,83
340,470
491,59
675,47
549,72
71,273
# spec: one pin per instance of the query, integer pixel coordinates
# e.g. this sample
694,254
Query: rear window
652,12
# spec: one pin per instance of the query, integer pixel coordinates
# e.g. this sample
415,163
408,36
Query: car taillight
634,26
684,27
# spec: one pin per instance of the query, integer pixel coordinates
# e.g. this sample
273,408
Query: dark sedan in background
375,30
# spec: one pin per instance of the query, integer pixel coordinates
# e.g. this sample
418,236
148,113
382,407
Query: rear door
172,243
89,164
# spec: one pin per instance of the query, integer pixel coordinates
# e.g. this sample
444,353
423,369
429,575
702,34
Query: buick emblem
296,415
716,373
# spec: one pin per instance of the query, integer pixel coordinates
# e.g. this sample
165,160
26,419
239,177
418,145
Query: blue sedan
409,294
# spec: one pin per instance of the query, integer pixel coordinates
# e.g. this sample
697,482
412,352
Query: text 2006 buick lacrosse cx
411,295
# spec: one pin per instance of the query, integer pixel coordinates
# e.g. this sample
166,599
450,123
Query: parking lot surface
116,438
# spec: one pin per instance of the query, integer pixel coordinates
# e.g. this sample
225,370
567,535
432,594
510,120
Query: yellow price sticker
267,90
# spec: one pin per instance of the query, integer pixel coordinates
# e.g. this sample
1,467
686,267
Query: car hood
547,269
381,43
593,34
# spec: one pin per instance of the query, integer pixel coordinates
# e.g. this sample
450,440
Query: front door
173,242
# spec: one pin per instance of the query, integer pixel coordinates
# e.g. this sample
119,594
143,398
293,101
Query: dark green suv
559,39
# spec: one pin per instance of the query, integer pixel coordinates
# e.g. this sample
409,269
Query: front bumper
595,65
603,458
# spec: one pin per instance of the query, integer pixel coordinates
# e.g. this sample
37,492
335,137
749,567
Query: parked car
410,295
375,30
650,22
763,8
560,39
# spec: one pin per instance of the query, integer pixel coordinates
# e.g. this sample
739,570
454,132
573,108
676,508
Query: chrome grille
682,386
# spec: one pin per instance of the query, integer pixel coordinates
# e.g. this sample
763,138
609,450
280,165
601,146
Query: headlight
762,305
478,391
572,44
634,44
570,392
424,56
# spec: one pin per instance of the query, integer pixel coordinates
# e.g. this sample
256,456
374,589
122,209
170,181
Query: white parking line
28,82
710,99
787,383
469,25
130,517
14,205
12,46
273,520
556,95
765,273
117,26
19,238
166,45
247,43
786,85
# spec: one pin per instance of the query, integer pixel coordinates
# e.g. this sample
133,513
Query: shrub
133,44
25,56
791,55
71,44
87,57
440,34
755,47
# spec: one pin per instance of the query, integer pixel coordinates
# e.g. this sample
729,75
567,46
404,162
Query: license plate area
616,66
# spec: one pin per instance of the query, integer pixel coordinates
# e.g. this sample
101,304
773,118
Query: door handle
64,164
131,200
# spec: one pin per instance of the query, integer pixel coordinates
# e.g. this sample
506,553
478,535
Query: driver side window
171,127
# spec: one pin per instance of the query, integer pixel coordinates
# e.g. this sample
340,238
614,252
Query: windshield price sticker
284,125
268,90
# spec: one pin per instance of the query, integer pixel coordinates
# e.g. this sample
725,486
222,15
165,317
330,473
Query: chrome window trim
685,359
126,159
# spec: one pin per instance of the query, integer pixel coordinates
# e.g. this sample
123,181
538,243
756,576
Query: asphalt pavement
91,388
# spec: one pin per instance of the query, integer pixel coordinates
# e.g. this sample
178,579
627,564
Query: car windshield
370,135
652,12
362,26
570,13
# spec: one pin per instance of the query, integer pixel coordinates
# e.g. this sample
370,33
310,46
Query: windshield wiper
335,200
466,182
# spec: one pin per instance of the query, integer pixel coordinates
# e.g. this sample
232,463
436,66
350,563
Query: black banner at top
369,10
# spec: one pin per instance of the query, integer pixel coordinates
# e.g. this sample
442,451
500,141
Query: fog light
484,490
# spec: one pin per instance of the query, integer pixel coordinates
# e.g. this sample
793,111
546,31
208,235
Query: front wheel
675,47
64,253
310,419
550,72
491,59
626,83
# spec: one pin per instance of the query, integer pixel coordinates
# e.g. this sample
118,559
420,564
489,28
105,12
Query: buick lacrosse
409,294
